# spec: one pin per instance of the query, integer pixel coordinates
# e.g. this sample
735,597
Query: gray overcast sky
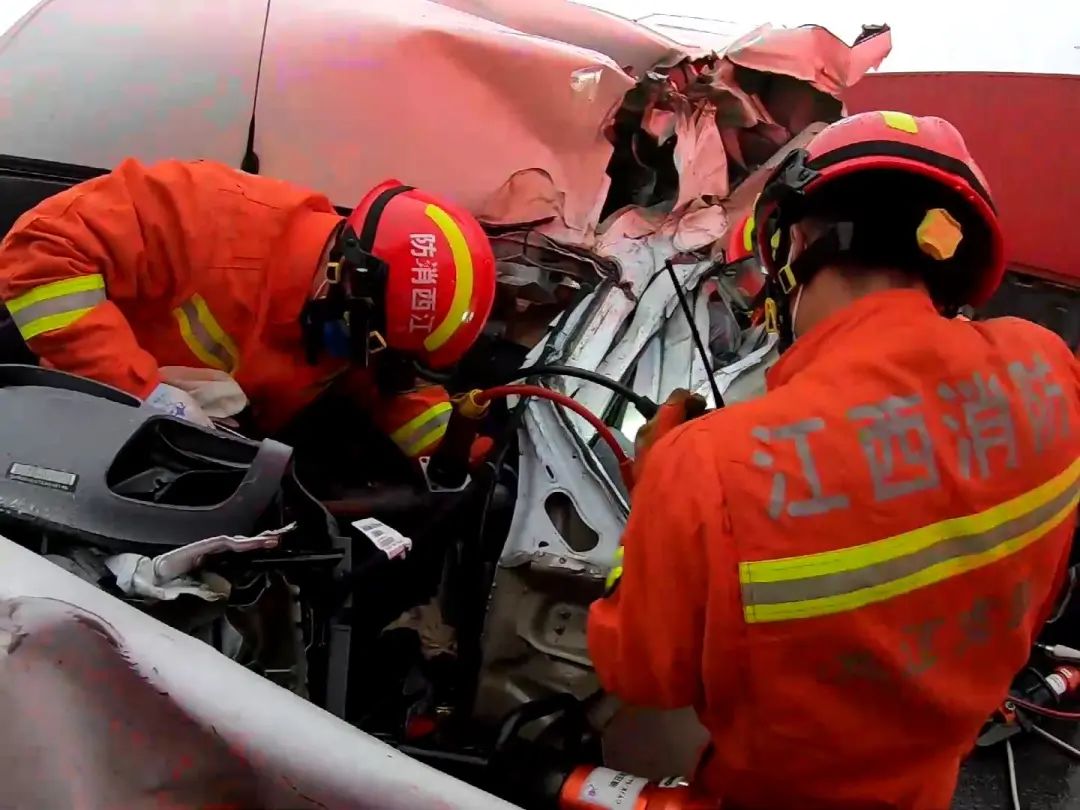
11,10
1041,36
1035,35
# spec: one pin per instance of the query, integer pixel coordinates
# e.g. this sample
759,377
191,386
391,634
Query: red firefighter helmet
425,268
964,237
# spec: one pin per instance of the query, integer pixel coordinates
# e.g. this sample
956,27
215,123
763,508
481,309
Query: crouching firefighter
180,281
843,576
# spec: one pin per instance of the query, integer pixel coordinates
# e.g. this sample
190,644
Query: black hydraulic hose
646,407
698,342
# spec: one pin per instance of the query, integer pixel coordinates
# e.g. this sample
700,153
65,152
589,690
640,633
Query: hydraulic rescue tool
448,468
589,788
1035,694
535,762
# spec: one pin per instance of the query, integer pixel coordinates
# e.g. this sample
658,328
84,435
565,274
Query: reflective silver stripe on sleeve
428,428
72,302
204,336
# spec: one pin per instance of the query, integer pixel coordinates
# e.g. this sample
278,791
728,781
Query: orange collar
300,250
877,311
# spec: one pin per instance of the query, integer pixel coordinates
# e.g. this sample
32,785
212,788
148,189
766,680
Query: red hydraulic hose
1035,708
605,433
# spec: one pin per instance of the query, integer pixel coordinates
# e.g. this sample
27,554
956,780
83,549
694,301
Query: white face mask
795,310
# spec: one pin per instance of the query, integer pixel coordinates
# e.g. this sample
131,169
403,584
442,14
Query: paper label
389,541
43,476
612,790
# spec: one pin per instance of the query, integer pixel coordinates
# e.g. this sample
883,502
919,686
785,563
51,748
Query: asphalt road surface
1048,778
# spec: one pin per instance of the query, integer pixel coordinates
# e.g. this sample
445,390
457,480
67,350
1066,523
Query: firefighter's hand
681,406
177,402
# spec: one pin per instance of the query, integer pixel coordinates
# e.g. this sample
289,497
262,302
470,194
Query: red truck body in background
1022,128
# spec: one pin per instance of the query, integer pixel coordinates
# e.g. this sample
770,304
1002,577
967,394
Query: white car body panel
83,674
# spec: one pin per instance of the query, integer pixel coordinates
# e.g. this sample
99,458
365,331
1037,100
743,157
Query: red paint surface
1023,131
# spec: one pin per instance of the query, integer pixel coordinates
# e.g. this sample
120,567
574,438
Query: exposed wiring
602,430
680,293
1014,789
1057,742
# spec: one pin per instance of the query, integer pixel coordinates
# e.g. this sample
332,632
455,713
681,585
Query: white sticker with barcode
388,540
612,790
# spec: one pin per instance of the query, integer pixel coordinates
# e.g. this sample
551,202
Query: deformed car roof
455,95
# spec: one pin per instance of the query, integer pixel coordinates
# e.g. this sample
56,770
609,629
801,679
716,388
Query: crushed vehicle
441,612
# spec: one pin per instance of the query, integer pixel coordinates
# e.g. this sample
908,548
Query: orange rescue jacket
843,576
190,264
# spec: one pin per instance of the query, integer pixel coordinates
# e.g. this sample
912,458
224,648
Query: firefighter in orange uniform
128,277
843,576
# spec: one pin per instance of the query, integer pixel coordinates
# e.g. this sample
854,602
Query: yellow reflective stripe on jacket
423,431
850,578
55,305
615,574
204,336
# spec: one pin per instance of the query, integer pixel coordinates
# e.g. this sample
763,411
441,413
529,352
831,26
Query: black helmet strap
353,308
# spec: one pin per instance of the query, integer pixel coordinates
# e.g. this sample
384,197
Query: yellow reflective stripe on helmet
423,431
55,305
463,280
847,579
204,335
748,235
905,122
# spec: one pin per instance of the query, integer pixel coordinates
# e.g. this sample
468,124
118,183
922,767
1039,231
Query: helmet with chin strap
892,190
408,272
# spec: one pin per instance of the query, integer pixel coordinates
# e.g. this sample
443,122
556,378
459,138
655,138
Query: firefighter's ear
803,233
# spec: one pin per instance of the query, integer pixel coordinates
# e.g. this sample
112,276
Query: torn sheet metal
135,576
132,713
623,319
169,576
730,112
627,330
810,53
